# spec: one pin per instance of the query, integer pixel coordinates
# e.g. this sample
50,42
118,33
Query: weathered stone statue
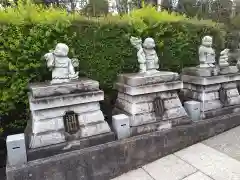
206,53
147,56
61,66
223,60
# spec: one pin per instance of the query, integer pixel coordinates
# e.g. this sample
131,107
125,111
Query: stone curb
112,159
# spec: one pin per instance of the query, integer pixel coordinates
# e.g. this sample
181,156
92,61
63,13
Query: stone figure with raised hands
147,56
61,66
207,53
223,59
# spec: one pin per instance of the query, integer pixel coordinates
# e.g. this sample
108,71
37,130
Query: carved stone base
65,112
149,99
214,92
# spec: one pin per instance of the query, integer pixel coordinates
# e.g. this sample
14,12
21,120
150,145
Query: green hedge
101,45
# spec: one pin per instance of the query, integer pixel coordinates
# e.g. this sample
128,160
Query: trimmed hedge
101,45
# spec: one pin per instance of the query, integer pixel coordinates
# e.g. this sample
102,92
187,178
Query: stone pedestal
150,100
62,112
217,93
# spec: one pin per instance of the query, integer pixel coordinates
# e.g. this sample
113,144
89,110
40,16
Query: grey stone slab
151,117
138,174
169,168
173,113
147,97
146,128
232,92
227,142
60,111
94,129
92,117
138,119
211,162
46,89
152,88
53,124
229,70
172,103
65,100
201,88
210,80
197,71
198,176
41,140
120,156
231,85
201,96
211,105
233,100
133,108
139,79
221,111
146,107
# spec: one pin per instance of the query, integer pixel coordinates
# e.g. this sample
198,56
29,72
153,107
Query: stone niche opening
71,123
158,106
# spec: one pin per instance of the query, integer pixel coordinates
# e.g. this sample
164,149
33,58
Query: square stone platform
218,94
65,112
150,100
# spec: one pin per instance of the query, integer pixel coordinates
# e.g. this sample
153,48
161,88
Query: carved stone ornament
206,53
147,56
61,66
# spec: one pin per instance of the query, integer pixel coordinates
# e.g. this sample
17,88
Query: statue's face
149,43
207,41
61,49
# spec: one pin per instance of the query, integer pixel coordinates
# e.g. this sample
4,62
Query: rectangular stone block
196,71
90,117
46,89
146,128
232,92
16,150
201,88
121,126
147,89
138,98
174,113
172,103
42,140
94,129
147,97
67,100
210,105
133,108
140,79
167,95
46,125
60,111
233,100
149,118
208,96
230,85
211,80
145,118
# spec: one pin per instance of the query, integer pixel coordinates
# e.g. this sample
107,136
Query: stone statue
147,56
223,60
61,66
206,53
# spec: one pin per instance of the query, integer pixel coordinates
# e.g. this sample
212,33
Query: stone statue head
207,41
149,43
61,50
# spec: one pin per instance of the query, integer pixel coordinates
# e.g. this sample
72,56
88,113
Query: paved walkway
217,158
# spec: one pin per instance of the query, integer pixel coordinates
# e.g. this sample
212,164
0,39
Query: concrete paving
217,158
